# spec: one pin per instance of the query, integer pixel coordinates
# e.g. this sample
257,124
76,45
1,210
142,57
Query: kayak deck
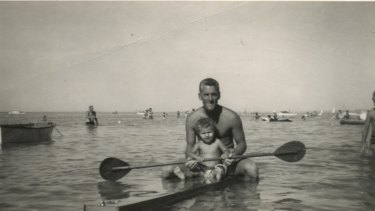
192,187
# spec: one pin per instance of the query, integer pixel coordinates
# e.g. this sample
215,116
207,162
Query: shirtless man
368,146
91,118
229,131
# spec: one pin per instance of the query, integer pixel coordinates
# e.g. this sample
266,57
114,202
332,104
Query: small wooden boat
191,187
112,169
26,133
352,122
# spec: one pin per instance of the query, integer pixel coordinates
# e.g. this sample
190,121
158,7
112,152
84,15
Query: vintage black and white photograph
187,105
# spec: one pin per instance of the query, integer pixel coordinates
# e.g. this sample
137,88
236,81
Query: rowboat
112,169
26,133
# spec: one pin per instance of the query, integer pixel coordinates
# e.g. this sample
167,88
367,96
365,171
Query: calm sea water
63,174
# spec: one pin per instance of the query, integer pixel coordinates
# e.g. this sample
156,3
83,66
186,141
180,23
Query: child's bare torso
210,151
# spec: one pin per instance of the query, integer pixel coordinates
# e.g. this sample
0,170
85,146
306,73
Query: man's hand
224,156
191,164
229,160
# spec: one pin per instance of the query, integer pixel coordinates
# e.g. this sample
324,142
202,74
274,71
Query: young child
208,146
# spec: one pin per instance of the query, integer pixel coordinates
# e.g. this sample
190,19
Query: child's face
207,135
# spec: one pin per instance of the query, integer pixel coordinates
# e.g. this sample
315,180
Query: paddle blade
106,171
291,152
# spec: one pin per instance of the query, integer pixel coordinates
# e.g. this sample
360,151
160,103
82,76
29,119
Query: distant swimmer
164,116
347,115
91,118
339,114
257,115
368,135
149,114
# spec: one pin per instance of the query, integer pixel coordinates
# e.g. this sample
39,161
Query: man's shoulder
195,116
229,113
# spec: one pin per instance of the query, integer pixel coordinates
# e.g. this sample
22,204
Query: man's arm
366,127
193,154
190,136
224,149
239,136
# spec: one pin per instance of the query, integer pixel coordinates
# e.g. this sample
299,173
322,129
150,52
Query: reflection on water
63,174
117,190
233,195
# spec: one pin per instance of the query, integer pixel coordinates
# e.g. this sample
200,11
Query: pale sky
128,56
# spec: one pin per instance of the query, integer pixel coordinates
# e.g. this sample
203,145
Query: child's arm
193,153
224,149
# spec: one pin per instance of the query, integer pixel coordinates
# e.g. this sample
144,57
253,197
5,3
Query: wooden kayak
191,187
112,169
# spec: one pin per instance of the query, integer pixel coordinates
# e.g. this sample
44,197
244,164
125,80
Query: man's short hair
209,82
205,123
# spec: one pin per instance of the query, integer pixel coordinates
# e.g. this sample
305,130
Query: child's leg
221,171
177,171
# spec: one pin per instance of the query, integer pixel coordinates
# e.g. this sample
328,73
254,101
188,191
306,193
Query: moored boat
286,114
352,122
275,120
141,112
26,133
280,120
15,112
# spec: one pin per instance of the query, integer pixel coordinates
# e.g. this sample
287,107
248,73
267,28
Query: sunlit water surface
63,174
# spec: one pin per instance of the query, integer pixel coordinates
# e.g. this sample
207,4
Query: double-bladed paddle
113,169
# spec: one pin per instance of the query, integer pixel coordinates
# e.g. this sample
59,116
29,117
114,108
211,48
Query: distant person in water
91,118
274,116
178,114
164,116
257,115
339,114
149,114
209,146
347,115
368,144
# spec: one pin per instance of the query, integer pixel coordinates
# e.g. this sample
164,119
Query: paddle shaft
113,169
258,154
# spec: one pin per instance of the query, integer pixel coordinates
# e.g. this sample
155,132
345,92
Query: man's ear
219,96
199,95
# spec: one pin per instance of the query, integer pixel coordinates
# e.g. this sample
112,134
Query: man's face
209,96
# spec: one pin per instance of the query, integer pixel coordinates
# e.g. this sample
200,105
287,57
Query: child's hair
205,123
